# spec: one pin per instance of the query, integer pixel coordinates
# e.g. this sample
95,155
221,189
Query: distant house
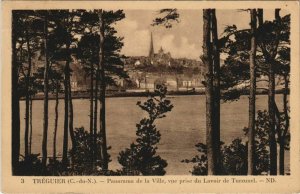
189,82
171,83
137,63
78,77
148,83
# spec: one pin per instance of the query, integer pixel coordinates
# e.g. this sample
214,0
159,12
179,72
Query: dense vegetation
54,39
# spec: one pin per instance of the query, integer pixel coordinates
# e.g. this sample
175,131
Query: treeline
262,51
50,40
59,37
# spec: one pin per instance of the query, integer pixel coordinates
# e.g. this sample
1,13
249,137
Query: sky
184,39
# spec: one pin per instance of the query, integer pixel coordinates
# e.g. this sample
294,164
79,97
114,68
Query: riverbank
142,93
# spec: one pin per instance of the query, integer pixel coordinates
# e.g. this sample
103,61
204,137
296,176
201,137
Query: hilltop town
180,75
145,72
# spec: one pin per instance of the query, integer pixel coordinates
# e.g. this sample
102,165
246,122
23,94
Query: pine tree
251,123
141,158
207,61
15,95
46,82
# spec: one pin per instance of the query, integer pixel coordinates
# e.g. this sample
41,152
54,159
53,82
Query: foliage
88,45
56,168
168,16
233,156
31,166
141,158
261,156
235,44
83,154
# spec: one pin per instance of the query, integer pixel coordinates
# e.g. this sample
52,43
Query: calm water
183,127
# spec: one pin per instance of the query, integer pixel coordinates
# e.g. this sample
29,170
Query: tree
46,80
69,40
271,109
283,130
87,54
251,122
25,45
233,156
27,93
15,96
207,61
216,85
110,63
101,77
55,75
167,17
271,38
61,51
270,42
100,48
66,115
141,158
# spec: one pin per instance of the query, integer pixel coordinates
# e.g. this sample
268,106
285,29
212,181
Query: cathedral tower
151,51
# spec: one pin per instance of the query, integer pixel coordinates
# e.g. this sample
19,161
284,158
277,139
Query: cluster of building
140,77
160,68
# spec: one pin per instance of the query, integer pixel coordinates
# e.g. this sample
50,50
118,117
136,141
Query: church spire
151,51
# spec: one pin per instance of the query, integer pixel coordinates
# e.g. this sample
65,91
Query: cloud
179,48
136,41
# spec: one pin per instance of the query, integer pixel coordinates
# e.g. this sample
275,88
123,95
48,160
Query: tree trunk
92,113
95,116
102,118
281,156
286,127
27,98
56,120
66,119
207,61
91,101
30,125
216,67
251,122
260,16
71,128
271,103
15,100
46,80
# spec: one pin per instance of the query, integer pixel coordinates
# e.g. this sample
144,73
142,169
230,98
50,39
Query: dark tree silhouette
252,93
15,96
141,158
216,85
46,81
207,61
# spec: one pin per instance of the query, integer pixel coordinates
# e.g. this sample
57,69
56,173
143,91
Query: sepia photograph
159,91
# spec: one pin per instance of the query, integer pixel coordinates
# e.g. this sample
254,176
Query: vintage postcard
150,96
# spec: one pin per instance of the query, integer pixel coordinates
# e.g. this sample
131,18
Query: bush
84,158
31,166
233,157
141,158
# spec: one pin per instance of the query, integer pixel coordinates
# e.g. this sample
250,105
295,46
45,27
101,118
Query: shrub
141,158
31,166
84,158
233,157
